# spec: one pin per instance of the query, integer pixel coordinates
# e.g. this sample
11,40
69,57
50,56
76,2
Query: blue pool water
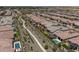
17,45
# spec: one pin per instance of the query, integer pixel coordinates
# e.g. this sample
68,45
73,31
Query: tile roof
66,34
6,45
6,27
6,35
75,40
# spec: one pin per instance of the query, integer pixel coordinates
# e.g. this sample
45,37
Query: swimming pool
17,45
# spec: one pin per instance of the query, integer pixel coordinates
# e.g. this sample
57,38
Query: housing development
39,29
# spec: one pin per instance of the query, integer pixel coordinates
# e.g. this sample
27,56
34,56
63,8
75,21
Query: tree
31,48
43,41
46,47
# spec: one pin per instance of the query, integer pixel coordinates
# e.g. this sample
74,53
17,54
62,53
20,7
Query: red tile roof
75,40
6,27
66,34
6,45
6,35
